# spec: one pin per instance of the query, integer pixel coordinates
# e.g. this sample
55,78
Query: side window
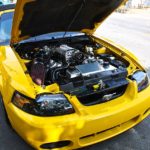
5,26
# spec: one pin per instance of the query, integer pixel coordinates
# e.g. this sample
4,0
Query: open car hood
36,17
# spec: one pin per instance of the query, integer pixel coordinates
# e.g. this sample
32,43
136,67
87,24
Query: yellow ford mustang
62,87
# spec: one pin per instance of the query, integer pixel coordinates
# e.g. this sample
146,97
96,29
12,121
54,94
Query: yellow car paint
88,125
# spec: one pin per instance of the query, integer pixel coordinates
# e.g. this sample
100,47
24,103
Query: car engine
78,70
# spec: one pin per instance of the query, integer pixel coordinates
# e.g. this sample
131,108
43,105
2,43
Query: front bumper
89,125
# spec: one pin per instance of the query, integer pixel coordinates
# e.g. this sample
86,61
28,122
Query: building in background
147,3
129,4
138,3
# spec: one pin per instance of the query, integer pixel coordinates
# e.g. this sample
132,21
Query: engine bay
77,65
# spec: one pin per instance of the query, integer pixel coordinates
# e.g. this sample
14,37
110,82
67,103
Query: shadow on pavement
8,137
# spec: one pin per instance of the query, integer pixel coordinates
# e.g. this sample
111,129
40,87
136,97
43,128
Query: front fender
12,75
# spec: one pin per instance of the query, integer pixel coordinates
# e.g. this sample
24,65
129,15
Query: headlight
141,79
44,105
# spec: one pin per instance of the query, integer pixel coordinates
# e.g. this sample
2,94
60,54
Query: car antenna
74,18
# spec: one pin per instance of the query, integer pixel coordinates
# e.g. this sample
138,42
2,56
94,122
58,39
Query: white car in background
6,2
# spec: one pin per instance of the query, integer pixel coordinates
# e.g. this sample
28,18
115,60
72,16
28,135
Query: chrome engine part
88,70
64,64
67,54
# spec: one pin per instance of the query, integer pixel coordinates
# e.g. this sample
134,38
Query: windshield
5,26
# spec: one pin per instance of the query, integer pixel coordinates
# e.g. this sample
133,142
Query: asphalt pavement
130,30
133,32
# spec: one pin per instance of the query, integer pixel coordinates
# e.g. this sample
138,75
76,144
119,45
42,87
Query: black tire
4,113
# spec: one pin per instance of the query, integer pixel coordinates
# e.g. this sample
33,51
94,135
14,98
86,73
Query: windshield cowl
55,35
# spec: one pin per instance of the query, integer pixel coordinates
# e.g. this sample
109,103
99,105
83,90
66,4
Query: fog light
59,144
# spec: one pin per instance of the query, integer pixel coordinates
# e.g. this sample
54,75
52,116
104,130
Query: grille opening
147,111
102,97
53,145
87,136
